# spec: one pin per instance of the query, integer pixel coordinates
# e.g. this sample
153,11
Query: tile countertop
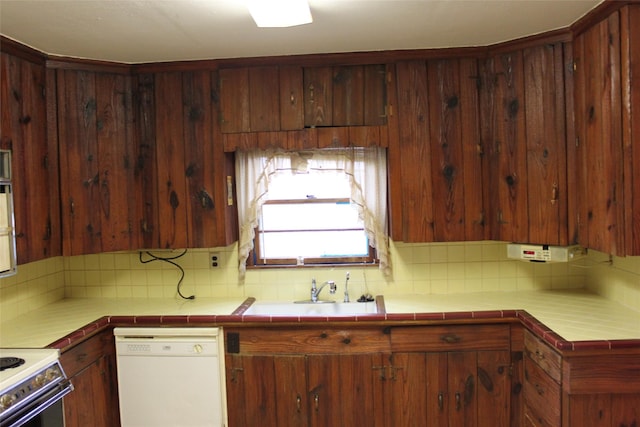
47,324
573,315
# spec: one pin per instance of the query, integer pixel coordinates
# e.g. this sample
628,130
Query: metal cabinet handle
316,401
298,403
441,401
457,401
450,338
554,193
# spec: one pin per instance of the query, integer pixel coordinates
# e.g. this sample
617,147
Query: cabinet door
90,403
449,389
251,397
91,367
527,145
606,59
23,130
96,157
353,95
345,390
435,161
261,99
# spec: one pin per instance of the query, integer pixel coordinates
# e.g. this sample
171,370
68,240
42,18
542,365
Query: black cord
169,260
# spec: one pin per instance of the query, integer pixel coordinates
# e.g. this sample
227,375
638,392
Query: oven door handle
39,405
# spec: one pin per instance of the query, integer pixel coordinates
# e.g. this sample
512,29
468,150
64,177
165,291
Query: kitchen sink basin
303,308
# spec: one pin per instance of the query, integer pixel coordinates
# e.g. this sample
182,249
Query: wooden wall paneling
447,164
80,177
271,140
318,96
475,178
348,96
630,67
414,172
291,98
545,144
510,222
146,172
375,98
201,170
53,167
115,161
366,136
333,137
234,100
172,195
264,99
240,141
302,139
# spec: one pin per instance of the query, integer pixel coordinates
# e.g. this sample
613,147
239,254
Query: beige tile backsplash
436,268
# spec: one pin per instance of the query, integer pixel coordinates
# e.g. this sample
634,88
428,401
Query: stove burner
10,362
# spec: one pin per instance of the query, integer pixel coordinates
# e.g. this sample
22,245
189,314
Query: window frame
255,261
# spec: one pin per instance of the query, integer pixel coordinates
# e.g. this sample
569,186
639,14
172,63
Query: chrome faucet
346,288
315,291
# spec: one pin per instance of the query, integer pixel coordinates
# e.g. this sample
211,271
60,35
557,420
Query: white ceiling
138,31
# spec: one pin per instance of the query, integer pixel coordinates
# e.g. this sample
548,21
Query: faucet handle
332,286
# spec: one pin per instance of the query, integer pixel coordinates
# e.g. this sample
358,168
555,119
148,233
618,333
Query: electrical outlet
214,259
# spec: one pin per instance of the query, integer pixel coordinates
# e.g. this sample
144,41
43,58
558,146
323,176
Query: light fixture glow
279,13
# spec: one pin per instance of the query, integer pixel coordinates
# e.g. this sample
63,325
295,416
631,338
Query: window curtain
367,172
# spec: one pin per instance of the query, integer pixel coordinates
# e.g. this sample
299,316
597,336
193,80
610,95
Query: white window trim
254,170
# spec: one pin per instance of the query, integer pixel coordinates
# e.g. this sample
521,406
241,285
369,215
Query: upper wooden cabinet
525,136
24,98
284,98
185,194
435,152
97,161
607,57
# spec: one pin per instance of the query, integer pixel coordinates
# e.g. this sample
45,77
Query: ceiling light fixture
279,13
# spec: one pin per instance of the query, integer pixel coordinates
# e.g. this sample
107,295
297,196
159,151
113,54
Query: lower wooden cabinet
361,377
91,367
541,389
450,376
301,387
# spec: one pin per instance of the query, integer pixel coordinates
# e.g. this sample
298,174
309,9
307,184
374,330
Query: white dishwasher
171,377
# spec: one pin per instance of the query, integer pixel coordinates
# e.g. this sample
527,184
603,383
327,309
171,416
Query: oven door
45,411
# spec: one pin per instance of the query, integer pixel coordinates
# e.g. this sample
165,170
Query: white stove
31,380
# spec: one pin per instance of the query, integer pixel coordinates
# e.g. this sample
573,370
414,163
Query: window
312,207
307,218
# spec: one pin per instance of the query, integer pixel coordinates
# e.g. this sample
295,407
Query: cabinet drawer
82,355
541,395
450,338
543,355
305,340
